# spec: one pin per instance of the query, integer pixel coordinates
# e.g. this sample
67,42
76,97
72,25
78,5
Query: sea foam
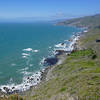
35,50
27,82
28,49
25,54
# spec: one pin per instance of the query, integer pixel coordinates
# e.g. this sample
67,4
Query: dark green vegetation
78,78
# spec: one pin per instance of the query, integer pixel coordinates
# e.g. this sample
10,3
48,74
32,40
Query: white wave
31,65
60,45
22,70
35,50
27,82
13,64
25,54
50,47
66,40
42,61
26,73
26,68
85,31
66,48
28,49
71,45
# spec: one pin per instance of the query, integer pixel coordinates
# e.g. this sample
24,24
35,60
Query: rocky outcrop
50,61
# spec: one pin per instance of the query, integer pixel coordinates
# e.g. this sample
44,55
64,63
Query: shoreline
46,73
74,46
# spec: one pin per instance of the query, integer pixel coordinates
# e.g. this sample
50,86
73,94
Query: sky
10,9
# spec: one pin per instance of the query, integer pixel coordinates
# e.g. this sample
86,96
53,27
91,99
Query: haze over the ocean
28,10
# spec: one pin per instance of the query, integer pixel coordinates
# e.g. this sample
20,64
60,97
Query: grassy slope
12,97
79,75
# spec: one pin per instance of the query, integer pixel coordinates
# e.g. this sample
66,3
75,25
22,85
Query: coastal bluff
78,77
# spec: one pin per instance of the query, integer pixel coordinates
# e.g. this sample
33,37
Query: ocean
24,45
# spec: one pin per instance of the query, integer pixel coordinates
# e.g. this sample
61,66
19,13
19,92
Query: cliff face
78,77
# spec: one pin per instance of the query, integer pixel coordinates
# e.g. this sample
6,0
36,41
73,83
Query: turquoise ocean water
23,46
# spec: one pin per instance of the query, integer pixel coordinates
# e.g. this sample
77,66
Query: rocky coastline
58,58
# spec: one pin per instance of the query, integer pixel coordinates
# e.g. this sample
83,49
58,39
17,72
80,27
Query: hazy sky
48,8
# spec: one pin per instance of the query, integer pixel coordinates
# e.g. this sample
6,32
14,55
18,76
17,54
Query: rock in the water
62,43
6,89
37,79
13,87
60,52
28,78
31,79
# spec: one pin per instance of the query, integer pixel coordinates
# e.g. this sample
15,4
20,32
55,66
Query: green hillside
88,21
79,75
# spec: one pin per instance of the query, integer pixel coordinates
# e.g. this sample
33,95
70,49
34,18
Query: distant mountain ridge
88,21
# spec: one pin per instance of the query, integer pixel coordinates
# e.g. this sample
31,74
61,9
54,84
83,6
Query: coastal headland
76,76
